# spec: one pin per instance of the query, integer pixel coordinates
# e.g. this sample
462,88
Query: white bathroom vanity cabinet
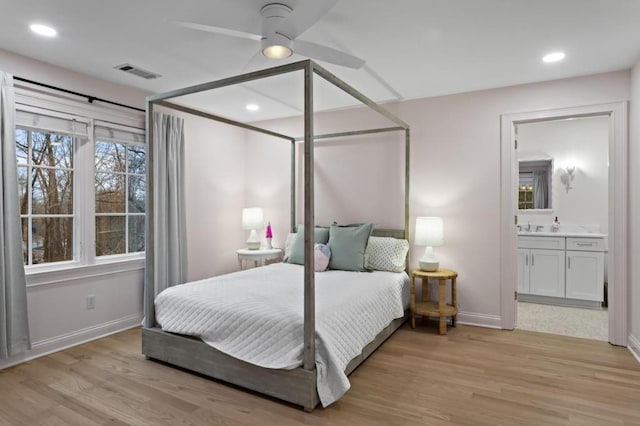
561,268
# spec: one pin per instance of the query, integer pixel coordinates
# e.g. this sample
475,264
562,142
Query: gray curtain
170,223
14,324
540,190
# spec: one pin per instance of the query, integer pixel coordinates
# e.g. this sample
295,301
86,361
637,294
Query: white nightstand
259,257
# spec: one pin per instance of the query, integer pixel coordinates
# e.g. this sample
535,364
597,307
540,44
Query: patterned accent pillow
386,254
322,254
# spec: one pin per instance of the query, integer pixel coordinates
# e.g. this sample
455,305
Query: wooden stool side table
439,309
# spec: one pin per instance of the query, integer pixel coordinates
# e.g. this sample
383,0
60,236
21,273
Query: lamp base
428,262
429,266
253,243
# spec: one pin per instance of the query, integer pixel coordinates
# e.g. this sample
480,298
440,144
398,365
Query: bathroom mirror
534,184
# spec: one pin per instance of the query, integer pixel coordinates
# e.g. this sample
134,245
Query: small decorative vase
269,235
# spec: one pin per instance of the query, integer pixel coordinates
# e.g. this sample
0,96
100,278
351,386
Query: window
119,192
82,192
46,146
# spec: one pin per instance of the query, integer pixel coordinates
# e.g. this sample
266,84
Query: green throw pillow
348,245
321,236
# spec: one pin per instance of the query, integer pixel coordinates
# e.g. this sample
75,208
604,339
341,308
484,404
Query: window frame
29,216
47,102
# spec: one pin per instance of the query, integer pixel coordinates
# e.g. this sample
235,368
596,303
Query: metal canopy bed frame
298,385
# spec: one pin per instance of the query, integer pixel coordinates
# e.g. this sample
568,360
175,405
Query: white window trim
86,263
40,277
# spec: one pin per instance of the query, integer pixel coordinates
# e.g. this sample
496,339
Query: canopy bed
173,342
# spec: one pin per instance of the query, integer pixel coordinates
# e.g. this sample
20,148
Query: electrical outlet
91,301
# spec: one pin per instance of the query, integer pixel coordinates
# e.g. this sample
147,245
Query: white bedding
257,316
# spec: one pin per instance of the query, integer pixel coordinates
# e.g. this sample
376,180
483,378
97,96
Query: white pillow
386,254
287,245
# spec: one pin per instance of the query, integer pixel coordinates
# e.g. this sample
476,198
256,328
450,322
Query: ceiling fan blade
218,30
304,16
257,61
327,54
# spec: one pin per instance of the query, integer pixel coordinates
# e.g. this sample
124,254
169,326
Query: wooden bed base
297,386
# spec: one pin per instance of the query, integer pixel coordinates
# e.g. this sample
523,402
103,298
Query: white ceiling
412,48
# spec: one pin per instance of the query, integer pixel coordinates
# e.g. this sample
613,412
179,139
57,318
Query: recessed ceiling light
252,107
553,57
43,30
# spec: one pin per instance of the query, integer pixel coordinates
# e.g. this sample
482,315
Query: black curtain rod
71,92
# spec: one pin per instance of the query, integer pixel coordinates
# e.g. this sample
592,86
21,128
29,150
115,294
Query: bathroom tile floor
564,320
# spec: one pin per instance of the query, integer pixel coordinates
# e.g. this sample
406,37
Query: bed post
293,185
407,163
309,225
149,285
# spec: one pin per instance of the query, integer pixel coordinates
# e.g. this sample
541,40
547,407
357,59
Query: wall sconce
567,177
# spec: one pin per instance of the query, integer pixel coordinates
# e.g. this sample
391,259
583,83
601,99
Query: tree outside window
120,189
45,179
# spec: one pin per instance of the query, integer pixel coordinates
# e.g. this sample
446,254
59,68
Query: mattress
257,316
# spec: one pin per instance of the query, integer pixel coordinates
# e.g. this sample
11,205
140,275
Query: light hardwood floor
471,376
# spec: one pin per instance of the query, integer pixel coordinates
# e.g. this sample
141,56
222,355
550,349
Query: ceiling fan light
277,51
277,46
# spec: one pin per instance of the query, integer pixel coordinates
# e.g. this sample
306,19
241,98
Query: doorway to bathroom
569,164
563,226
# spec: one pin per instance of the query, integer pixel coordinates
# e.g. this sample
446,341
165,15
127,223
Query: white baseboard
560,301
634,346
64,341
479,320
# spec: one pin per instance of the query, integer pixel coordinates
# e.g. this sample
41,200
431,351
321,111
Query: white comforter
257,316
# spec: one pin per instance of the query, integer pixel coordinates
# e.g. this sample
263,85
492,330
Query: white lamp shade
429,231
252,218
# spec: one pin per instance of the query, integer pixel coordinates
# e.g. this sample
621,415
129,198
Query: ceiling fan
280,27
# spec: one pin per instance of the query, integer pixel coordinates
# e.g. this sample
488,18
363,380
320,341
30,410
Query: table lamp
429,233
252,219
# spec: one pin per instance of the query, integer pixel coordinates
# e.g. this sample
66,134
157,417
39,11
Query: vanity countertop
561,234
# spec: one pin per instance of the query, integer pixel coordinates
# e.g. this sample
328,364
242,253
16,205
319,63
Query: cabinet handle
532,260
569,260
526,260
584,244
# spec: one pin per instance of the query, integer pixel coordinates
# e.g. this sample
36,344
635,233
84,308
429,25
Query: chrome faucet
528,229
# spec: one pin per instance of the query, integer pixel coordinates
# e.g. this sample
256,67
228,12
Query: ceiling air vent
132,69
